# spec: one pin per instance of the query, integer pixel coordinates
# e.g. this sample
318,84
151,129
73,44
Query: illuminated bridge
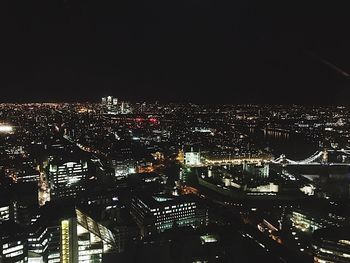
319,157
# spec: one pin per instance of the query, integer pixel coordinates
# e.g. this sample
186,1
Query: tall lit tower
109,100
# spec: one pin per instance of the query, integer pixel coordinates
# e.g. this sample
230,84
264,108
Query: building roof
94,227
157,201
52,213
334,234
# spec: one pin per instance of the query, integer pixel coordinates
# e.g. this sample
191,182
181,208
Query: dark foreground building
332,245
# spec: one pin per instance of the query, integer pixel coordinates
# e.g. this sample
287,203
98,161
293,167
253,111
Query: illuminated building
114,106
5,213
192,158
257,170
16,150
308,189
309,222
67,178
158,156
145,167
123,168
331,245
44,243
28,175
113,210
125,108
155,214
122,160
72,237
143,107
13,243
181,157
208,238
84,240
8,211
265,188
6,129
109,100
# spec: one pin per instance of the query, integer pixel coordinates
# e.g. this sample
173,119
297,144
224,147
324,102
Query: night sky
203,51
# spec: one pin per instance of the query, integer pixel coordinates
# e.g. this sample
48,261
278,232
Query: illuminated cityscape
193,131
81,182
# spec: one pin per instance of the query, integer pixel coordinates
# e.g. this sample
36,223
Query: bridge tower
325,156
284,159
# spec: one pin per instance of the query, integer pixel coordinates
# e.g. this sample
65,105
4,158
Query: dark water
293,145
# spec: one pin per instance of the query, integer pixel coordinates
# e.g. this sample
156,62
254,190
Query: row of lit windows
173,219
9,251
175,214
14,254
179,205
4,246
181,223
4,209
176,210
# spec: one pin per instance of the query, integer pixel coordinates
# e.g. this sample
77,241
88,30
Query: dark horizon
198,51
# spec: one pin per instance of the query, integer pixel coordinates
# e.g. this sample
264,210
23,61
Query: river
294,146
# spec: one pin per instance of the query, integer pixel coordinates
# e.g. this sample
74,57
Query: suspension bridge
319,157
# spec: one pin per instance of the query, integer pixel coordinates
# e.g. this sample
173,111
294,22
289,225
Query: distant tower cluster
114,106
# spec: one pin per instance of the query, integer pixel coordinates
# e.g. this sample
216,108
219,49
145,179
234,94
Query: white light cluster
5,128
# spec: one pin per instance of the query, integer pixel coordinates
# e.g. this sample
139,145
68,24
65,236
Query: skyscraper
83,239
68,236
67,178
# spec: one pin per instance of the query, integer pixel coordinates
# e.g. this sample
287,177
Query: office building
83,239
192,158
308,221
44,242
28,175
256,170
67,178
331,245
13,243
155,214
8,210
69,236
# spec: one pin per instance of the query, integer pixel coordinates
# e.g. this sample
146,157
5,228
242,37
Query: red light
153,120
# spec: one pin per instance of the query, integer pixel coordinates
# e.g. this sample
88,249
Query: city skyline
174,131
175,183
